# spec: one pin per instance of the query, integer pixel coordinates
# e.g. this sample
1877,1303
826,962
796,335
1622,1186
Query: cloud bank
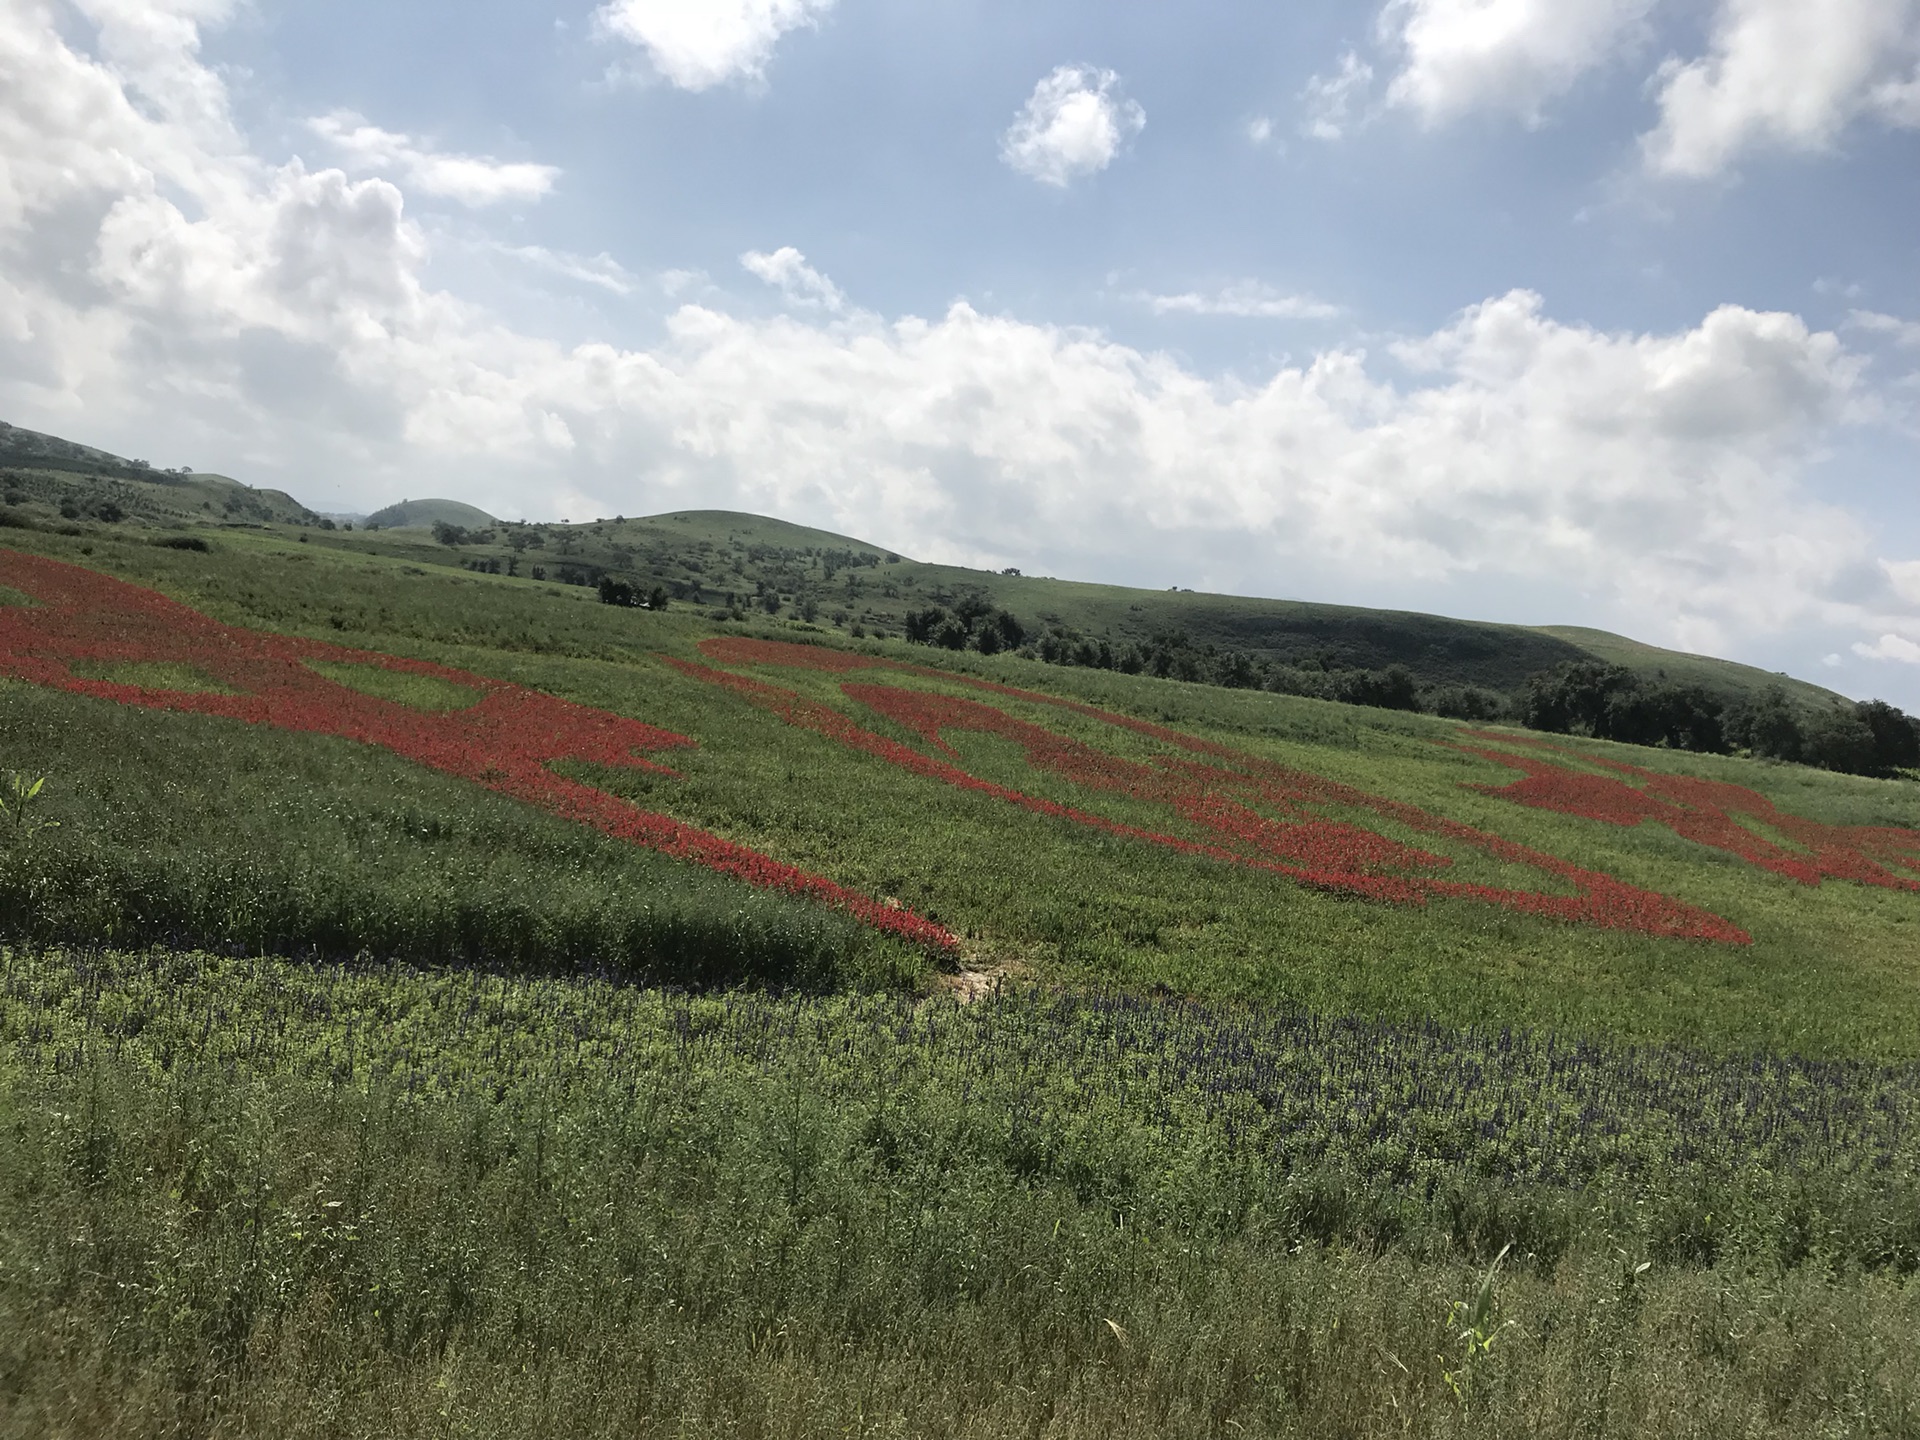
162,285
1776,74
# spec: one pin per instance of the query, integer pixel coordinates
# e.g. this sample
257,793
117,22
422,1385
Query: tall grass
194,831
249,1197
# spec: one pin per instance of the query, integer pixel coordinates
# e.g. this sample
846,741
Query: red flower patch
1216,798
1703,811
506,742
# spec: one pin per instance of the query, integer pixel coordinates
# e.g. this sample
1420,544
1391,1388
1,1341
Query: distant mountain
429,512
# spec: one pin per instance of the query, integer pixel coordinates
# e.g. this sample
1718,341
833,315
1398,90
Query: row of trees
1611,702
1608,702
974,623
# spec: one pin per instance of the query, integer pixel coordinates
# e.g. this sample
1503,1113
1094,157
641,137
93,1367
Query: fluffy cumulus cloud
697,44
469,179
1512,55
1783,74
1074,124
161,288
1786,74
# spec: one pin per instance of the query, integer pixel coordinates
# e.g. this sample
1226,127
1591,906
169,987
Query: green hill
737,562
433,1000
1735,681
423,513
721,559
47,480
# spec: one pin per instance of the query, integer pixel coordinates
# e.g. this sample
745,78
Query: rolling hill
427,513
724,560
57,480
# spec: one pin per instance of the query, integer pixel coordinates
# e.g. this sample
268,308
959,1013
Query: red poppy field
506,741
1155,788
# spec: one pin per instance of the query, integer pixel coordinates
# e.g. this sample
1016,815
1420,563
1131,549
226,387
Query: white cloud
1890,647
1073,124
697,44
1511,55
470,179
1249,299
1901,332
1905,576
787,270
166,292
1787,74
1332,100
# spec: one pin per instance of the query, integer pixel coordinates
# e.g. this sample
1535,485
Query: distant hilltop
424,513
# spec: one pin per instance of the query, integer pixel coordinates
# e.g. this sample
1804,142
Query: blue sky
1598,311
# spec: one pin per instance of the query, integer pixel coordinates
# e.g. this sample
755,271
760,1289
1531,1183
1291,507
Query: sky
1594,312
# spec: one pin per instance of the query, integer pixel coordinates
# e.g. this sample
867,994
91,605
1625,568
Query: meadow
261,1197
353,1085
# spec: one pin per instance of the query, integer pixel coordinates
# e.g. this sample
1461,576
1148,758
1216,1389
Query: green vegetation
1828,971
53,483
194,830
430,513
267,1198
421,692
341,1096
152,674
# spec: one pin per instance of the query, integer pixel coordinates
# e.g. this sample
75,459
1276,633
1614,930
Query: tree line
1590,698
1611,702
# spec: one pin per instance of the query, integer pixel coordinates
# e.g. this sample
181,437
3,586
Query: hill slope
724,559
1075,821
44,478
429,512
738,562
445,1001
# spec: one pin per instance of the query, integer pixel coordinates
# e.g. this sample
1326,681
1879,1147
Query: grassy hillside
426,513
719,559
1722,676
1042,896
435,1001
725,559
48,481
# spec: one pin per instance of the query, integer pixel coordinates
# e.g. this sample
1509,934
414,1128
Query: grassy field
254,1197
1828,971
339,1094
